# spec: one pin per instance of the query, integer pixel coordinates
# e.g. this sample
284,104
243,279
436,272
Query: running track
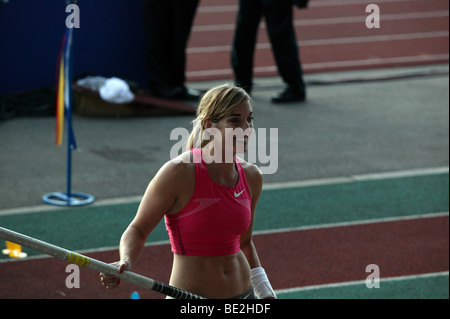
326,232
332,36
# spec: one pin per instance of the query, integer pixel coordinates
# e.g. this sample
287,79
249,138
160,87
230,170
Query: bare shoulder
253,175
251,171
171,184
178,170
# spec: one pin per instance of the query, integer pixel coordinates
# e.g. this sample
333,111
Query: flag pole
70,139
68,198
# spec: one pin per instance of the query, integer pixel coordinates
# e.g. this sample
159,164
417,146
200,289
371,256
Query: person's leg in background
167,28
280,28
183,18
157,24
242,55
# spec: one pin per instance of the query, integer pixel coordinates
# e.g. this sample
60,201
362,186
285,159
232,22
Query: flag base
62,199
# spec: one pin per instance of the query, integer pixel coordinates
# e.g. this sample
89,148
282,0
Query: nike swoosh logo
238,194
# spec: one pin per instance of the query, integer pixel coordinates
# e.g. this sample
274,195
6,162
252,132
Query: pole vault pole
94,264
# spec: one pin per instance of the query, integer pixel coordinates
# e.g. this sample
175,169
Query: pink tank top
213,220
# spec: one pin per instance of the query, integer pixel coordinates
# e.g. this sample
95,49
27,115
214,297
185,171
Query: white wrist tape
261,284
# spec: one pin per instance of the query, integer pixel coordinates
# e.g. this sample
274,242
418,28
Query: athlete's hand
111,282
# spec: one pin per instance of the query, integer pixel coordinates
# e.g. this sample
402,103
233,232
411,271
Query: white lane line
269,186
361,282
333,41
370,62
312,4
330,21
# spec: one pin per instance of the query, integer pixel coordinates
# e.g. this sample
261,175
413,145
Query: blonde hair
216,104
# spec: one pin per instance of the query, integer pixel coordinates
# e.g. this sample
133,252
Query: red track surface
292,259
332,36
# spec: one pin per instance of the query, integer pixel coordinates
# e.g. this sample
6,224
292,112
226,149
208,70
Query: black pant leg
183,17
279,20
244,41
157,16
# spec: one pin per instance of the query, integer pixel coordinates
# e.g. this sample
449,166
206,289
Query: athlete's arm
159,198
254,182
258,277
